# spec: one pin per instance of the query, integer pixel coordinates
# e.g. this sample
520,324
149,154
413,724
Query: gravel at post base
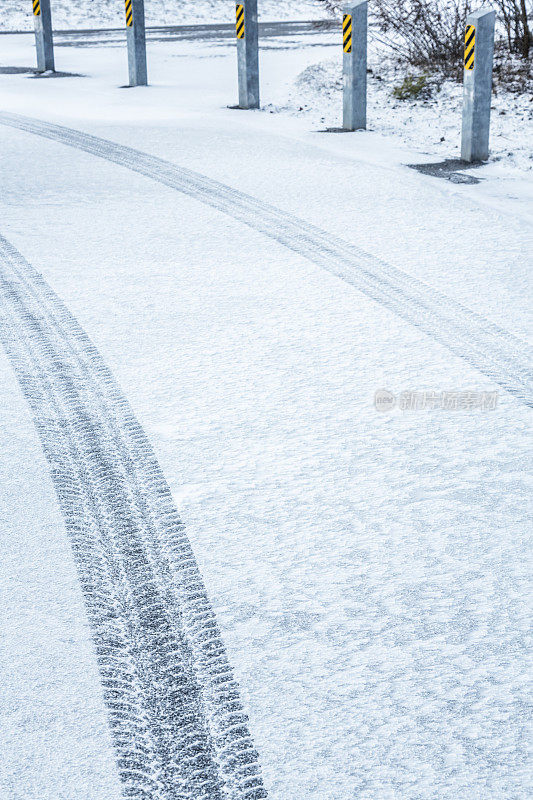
176,719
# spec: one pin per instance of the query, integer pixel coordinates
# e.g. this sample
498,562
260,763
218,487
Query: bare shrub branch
429,34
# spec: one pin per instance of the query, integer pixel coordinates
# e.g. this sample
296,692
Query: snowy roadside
67,14
369,570
431,126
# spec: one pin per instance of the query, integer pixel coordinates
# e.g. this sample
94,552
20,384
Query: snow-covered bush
424,33
429,34
515,18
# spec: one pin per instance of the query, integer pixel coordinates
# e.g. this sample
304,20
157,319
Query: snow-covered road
368,570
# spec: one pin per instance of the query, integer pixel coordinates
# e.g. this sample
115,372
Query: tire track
176,719
496,353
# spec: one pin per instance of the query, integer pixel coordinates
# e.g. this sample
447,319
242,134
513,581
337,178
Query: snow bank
429,125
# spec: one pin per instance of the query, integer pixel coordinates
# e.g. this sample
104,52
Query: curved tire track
176,719
498,354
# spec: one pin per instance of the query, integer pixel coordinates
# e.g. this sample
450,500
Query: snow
369,571
54,735
68,14
432,125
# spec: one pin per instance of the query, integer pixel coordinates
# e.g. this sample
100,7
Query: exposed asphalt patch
52,74
17,70
203,32
450,169
335,130
34,73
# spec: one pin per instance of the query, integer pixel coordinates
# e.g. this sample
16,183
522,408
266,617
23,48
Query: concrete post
44,43
354,46
477,87
136,36
247,53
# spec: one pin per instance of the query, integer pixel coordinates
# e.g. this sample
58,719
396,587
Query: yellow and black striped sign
347,33
240,20
470,46
36,8
129,14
